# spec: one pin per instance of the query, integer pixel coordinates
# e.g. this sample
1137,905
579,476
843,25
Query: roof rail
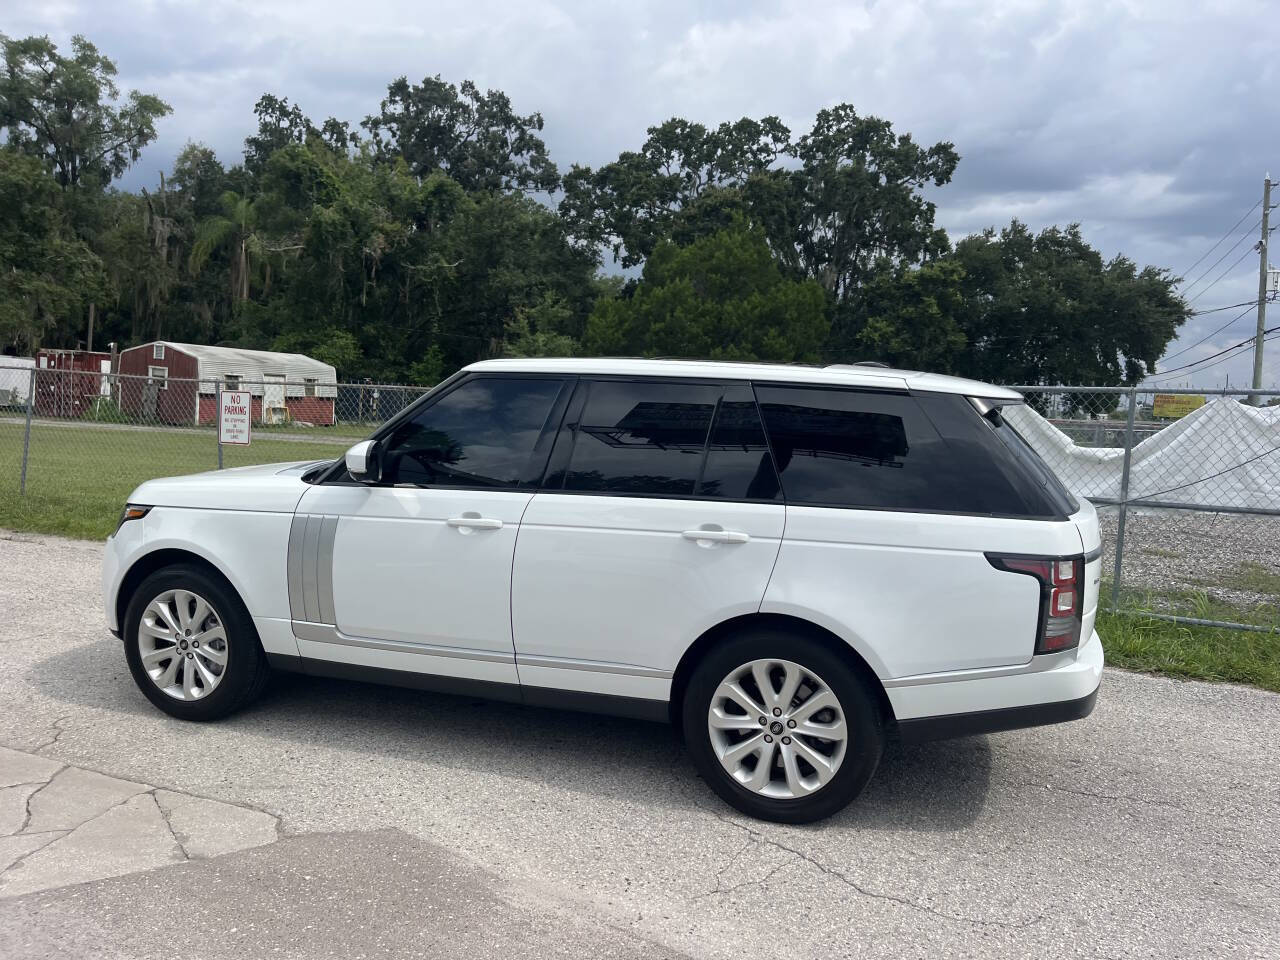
856,363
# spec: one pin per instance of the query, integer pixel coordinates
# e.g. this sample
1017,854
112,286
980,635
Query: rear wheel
781,727
191,645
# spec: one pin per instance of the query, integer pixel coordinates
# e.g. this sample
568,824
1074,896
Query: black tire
857,702
246,670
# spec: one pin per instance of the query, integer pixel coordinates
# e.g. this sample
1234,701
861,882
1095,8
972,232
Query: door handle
475,523
716,536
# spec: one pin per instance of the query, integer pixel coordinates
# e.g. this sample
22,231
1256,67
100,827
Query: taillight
1061,597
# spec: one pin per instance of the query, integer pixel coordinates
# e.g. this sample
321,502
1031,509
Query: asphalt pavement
348,820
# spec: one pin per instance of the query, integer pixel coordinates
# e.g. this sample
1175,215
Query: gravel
1218,553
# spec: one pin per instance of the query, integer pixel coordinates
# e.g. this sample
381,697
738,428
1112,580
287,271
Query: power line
1246,310
1224,236
1204,290
1164,374
1226,253
1229,306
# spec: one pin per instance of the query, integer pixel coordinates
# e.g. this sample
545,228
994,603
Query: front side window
480,434
641,438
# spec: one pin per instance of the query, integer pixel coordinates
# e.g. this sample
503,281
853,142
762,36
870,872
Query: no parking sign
235,420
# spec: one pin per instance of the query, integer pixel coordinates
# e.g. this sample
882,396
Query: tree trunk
89,343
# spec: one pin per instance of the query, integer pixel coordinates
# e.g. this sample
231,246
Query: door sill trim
634,708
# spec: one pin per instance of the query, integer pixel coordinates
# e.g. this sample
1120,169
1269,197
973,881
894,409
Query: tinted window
880,450
1031,466
479,434
738,465
641,438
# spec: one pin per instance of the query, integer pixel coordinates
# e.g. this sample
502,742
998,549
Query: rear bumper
923,729
964,707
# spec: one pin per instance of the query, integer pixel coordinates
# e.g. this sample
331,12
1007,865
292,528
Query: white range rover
792,564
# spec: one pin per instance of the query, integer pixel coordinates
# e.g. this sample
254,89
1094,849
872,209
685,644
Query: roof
239,355
848,375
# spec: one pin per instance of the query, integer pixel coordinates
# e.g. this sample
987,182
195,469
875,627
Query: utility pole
1262,289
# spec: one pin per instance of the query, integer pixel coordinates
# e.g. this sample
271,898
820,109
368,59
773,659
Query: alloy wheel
777,728
183,645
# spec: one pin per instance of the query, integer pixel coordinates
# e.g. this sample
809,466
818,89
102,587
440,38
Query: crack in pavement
822,868
59,730
57,835
26,820
64,833
1121,797
168,823
281,830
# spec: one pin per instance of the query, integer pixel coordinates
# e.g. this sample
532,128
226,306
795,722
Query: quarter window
645,439
875,450
481,434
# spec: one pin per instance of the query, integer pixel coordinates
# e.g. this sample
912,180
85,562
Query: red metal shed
75,387
178,383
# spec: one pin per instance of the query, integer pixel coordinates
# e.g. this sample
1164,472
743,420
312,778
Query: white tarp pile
1224,454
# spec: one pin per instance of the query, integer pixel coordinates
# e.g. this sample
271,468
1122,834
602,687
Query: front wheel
191,645
781,727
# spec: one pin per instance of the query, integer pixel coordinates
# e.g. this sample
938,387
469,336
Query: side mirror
364,461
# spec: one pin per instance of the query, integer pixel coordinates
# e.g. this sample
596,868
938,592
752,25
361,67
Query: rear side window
738,464
849,448
481,434
641,438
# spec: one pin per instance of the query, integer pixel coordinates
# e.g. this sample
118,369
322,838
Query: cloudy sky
1151,122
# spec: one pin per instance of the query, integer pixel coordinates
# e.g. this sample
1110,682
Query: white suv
790,563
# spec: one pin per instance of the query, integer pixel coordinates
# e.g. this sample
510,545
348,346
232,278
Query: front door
414,573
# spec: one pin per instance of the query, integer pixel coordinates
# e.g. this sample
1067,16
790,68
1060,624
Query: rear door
660,517
893,502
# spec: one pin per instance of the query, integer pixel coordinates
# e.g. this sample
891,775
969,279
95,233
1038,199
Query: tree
66,111
46,272
235,230
1048,308
723,297
476,138
912,318
855,203
281,125
632,204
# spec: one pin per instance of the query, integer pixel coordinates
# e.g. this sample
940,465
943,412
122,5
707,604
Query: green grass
1203,604
1255,578
78,477
1200,653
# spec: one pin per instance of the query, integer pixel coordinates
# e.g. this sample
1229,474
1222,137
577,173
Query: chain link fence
74,443
1187,484
1187,487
